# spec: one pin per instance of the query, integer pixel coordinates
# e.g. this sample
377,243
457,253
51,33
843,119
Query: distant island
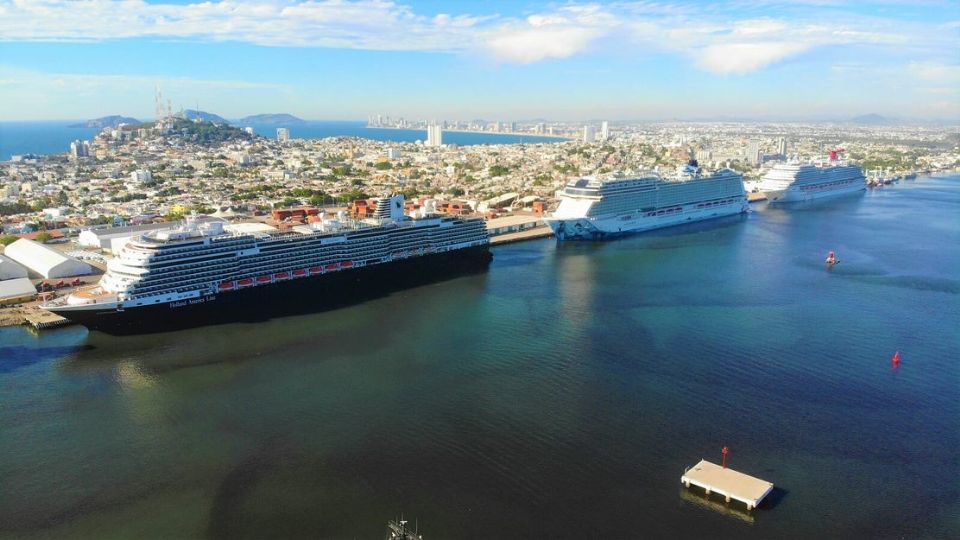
278,118
191,114
106,121
872,118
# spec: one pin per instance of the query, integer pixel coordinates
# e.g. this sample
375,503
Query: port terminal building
44,260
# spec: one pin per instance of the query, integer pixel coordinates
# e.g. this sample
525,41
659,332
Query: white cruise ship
593,208
796,182
205,273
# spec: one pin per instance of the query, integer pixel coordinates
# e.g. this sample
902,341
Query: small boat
397,530
225,285
346,264
831,259
330,267
316,270
281,275
264,279
300,272
246,282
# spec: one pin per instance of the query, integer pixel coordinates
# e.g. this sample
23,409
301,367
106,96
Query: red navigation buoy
725,451
896,359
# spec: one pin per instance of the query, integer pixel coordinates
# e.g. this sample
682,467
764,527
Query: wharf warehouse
14,291
44,260
10,269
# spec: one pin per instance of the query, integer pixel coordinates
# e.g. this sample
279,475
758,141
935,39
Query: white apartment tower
589,134
283,134
604,130
782,146
434,135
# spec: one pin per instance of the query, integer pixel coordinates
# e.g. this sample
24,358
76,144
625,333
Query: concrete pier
727,482
42,319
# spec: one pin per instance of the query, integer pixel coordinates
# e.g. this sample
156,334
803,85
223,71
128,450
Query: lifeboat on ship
316,270
330,267
346,264
246,282
225,286
282,276
300,272
263,279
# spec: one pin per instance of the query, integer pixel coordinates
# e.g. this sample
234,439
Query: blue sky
340,59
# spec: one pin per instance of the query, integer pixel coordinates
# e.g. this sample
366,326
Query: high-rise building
393,153
513,127
283,134
79,149
604,131
541,128
753,152
434,135
589,134
782,146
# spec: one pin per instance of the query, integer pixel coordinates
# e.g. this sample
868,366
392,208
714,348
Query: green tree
8,239
498,170
43,237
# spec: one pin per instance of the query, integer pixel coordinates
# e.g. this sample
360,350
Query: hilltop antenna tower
159,104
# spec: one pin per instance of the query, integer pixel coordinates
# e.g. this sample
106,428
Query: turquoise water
561,393
54,137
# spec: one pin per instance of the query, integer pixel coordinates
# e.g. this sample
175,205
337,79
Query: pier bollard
727,498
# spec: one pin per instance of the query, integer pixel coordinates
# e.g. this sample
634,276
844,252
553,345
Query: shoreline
557,137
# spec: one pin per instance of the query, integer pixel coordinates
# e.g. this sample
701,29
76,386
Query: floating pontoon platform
727,482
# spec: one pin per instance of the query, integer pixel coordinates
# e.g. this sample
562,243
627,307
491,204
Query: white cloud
711,37
935,72
741,58
540,43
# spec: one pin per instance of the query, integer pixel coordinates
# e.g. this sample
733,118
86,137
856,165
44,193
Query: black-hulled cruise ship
207,273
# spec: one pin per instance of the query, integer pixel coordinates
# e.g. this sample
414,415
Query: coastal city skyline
780,61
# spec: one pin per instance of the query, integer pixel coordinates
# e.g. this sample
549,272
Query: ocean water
55,137
561,394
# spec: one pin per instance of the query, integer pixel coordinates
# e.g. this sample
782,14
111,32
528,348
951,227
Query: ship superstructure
163,272
795,181
594,207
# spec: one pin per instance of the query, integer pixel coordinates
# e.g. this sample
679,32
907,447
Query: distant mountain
872,118
278,118
191,114
106,121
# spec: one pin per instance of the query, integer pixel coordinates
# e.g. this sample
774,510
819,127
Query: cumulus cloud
741,58
529,45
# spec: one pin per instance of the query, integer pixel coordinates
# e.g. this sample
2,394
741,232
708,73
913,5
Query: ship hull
598,229
296,296
796,194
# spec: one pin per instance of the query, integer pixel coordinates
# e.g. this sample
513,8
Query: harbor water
561,394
